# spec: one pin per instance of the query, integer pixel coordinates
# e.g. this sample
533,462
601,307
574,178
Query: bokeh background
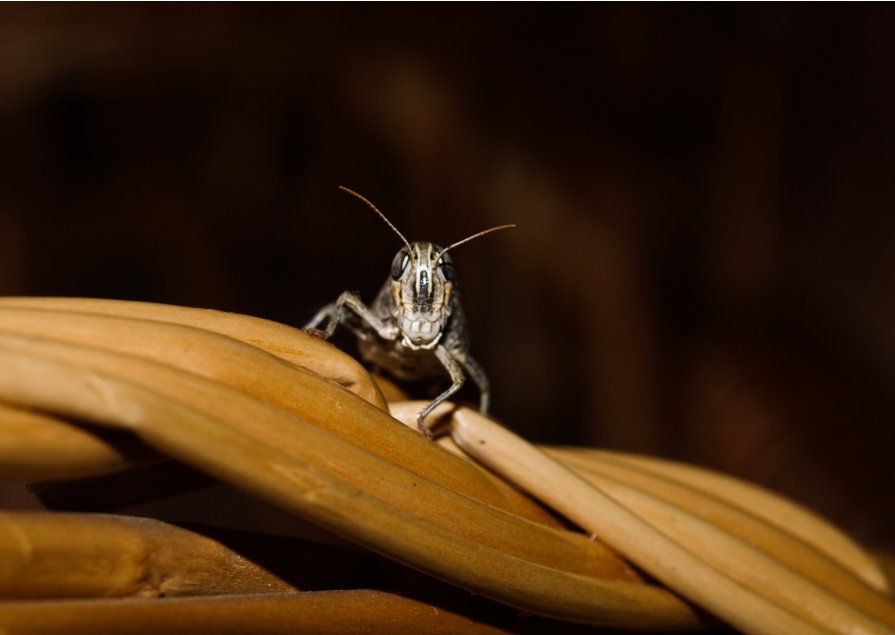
703,266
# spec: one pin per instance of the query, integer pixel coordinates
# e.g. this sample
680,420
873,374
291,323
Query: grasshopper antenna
473,237
381,215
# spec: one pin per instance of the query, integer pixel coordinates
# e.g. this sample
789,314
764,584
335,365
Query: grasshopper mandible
415,327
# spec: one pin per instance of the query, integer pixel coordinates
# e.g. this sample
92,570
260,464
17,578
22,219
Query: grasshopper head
422,282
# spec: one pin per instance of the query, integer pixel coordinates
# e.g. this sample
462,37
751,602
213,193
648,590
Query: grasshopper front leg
352,301
457,378
477,374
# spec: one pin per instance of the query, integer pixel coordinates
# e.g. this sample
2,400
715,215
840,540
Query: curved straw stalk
806,542
355,465
46,555
266,377
771,508
256,457
625,478
35,446
781,545
324,612
817,599
731,579
390,390
290,344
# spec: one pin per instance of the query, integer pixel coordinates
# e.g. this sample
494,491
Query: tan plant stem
350,462
254,372
631,486
732,580
290,344
300,468
322,612
36,446
47,555
770,507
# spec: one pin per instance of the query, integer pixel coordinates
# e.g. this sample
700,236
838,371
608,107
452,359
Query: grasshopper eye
399,264
446,266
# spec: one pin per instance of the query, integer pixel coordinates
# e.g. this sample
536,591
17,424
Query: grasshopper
415,328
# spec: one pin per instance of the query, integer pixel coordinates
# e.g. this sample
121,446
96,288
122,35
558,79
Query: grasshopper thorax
422,281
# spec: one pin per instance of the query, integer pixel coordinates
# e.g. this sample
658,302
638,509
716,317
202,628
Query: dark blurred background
703,267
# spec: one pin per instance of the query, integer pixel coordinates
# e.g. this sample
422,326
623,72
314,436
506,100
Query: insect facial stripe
424,282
